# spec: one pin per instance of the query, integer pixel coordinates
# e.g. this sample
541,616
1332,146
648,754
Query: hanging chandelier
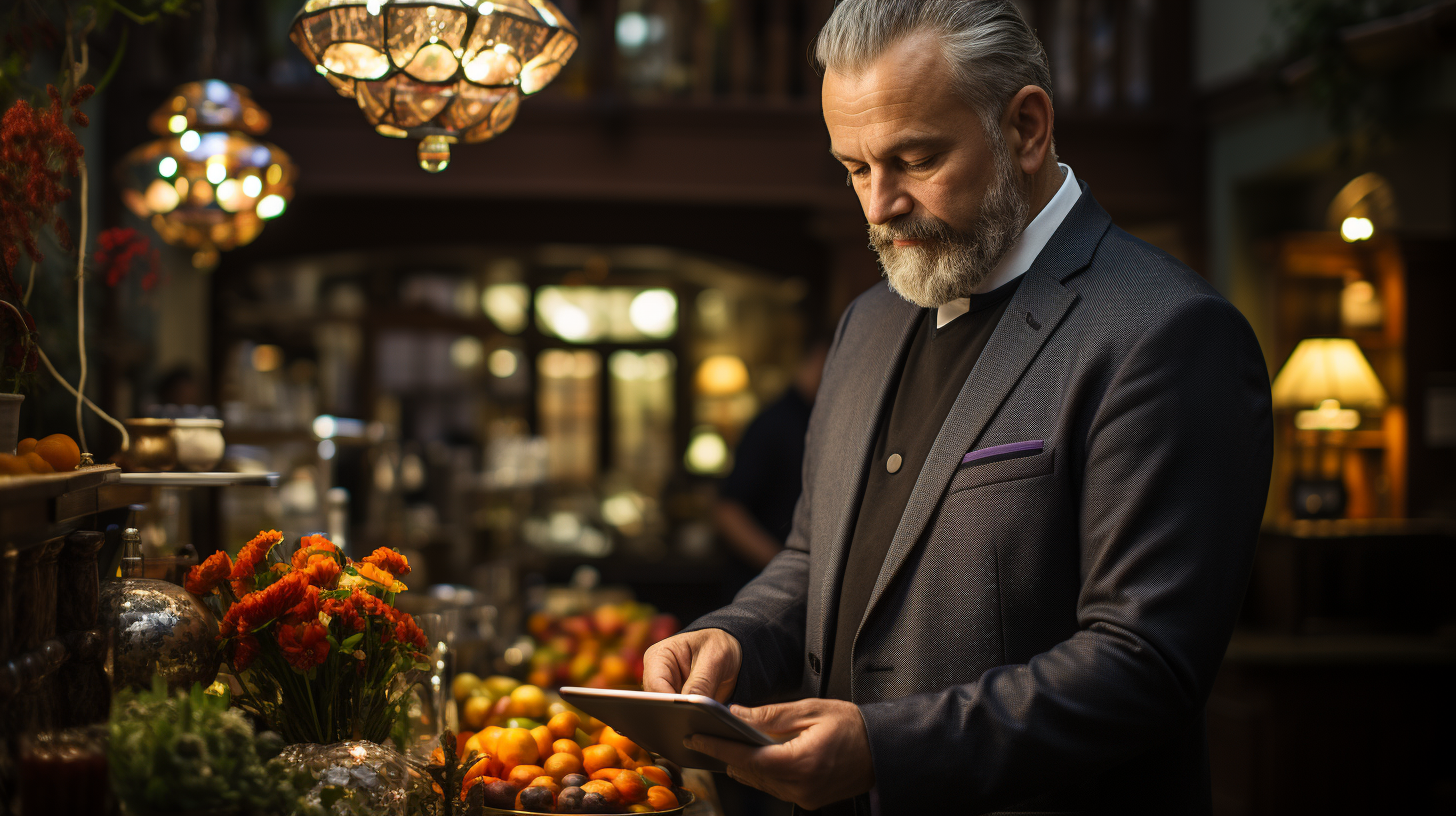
441,71
207,184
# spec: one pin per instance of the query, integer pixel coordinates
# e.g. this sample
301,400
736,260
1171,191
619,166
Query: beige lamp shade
1328,368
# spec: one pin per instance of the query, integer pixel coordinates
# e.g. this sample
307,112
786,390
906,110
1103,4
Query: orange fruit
543,741
566,746
631,785
564,725
559,765
596,757
546,782
461,740
14,465
655,775
621,743
60,450
482,768
38,464
516,746
528,701
661,798
25,446
521,775
608,791
475,711
607,774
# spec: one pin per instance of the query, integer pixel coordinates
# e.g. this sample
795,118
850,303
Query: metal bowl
679,809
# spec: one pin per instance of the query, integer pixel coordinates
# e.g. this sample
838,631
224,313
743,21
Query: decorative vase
152,447
10,421
373,778
199,443
155,627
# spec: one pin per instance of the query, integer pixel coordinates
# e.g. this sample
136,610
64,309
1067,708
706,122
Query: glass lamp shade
1322,375
207,183
441,71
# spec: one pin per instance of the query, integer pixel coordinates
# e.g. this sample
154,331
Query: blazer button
893,463
814,662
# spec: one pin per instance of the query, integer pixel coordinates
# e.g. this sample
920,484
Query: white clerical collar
1032,241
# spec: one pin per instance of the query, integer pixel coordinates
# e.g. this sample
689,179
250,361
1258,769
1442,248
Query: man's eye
857,171
921,165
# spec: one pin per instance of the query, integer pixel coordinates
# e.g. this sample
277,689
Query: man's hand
703,662
827,760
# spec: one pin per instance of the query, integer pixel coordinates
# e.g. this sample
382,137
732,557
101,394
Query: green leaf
351,641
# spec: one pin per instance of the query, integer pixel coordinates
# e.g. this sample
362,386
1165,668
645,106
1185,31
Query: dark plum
595,803
500,794
574,780
537,800
569,801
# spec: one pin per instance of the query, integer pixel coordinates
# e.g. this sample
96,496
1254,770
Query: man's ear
1027,124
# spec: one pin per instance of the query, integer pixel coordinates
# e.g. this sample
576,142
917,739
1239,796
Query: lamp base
1318,499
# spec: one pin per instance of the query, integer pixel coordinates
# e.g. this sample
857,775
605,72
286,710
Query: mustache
913,228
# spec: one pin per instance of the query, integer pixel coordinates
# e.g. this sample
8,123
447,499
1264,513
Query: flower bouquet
321,650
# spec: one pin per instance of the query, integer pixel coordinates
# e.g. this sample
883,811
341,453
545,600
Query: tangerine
60,450
604,789
631,785
564,725
546,782
17,466
25,446
543,741
516,746
596,757
661,798
562,765
38,464
521,775
566,746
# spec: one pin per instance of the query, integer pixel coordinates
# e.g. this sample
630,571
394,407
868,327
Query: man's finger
661,673
732,752
703,677
778,718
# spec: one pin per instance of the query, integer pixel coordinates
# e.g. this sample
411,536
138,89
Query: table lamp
1329,382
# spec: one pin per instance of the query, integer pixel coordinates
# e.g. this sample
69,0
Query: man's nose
886,199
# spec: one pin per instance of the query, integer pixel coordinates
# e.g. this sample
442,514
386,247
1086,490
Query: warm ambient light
442,71
722,375
207,184
1357,229
1328,372
707,452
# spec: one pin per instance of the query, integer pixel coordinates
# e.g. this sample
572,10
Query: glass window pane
642,417
566,400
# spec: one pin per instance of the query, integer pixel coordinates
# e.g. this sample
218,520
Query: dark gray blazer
1045,629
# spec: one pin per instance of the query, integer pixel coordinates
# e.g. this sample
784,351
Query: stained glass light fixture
208,184
441,71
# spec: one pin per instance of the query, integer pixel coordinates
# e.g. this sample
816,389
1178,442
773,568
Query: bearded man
1033,475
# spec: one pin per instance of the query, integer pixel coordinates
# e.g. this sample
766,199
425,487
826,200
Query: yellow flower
380,577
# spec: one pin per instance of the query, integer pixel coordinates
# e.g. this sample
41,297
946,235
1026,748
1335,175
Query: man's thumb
764,718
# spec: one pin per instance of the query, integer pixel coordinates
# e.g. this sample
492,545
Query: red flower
308,608
258,608
249,557
245,651
204,577
323,572
312,548
305,645
390,561
117,248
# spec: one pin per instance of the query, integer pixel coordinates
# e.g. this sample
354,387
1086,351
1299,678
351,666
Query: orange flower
249,557
205,577
258,608
390,561
245,651
323,572
313,548
373,574
305,645
307,609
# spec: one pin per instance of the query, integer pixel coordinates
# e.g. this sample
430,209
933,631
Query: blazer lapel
876,359
1035,310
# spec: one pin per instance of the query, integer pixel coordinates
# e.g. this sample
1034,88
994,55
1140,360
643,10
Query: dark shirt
936,367
768,466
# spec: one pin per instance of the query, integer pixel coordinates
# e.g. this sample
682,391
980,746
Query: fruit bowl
690,798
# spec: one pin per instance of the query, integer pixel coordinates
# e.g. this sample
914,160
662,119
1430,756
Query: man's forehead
909,86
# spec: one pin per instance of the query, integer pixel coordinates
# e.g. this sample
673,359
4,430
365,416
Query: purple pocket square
1024,448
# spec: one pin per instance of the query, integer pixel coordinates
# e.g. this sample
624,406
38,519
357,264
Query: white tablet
660,722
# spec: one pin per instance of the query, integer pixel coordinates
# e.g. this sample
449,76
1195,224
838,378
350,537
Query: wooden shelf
34,505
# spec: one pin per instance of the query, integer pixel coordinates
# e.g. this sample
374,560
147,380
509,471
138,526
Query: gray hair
991,51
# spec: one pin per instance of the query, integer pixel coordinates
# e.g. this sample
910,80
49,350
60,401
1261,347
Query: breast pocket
994,470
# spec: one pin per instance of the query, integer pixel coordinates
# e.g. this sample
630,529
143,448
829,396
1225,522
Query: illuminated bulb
162,197
267,358
324,425
721,375
177,123
707,453
252,186
227,195
275,173
190,140
654,312
216,171
271,206
167,166
1357,229
502,363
